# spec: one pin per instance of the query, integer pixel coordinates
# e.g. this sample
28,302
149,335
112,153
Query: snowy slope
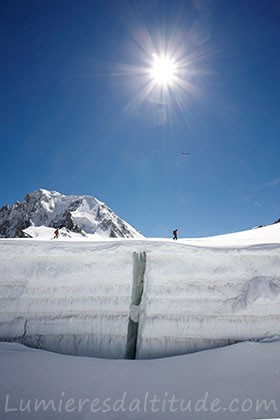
239,382
79,214
74,297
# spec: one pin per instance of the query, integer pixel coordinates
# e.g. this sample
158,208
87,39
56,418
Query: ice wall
199,298
68,298
75,298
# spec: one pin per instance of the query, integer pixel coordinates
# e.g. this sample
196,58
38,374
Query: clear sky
85,109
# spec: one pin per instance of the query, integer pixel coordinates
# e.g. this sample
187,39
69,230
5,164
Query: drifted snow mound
79,214
75,297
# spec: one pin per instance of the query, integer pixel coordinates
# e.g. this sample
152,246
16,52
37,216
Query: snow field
239,382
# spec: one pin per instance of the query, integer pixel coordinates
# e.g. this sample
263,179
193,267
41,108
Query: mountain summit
80,214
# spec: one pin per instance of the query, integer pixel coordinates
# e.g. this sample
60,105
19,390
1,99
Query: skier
56,234
175,234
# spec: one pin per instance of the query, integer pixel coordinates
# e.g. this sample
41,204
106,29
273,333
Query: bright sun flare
163,70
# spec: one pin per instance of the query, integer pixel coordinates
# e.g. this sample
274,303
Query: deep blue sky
73,118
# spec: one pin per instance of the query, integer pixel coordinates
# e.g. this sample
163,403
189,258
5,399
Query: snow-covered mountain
80,214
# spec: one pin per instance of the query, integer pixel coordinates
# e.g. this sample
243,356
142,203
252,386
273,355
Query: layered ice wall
199,298
68,298
76,297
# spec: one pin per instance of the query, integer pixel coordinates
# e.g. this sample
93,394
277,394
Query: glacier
74,296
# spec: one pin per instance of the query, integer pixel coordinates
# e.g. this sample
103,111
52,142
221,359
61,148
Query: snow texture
74,297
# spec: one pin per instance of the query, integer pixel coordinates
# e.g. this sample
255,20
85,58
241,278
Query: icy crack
139,267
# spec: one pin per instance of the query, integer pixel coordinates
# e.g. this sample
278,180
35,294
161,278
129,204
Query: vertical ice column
139,266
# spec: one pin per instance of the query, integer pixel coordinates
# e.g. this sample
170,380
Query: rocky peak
80,214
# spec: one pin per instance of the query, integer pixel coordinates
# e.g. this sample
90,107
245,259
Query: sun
160,78
163,70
